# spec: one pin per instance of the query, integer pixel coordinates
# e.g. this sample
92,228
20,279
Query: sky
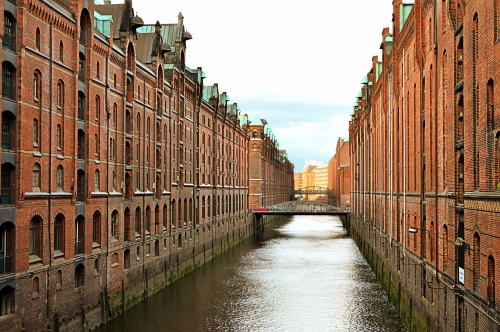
297,64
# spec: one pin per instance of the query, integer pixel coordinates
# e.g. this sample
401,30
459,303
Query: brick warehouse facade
425,153
120,170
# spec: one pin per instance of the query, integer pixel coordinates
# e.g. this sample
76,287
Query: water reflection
303,274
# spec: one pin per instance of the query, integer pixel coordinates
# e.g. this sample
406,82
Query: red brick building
425,154
339,184
120,170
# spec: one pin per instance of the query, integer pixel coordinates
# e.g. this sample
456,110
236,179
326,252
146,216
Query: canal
303,273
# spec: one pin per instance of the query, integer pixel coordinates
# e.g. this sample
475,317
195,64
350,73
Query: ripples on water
304,274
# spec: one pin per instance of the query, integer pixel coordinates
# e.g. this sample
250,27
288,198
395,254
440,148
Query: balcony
7,90
9,41
6,264
78,247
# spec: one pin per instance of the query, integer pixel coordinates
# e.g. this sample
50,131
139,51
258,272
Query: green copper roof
388,39
102,23
355,104
404,12
256,121
378,69
359,95
210,91
364,80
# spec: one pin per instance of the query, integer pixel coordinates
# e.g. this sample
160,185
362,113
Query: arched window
97,181
97,108
138,222
37,38
114,225
35,239
36,86
9,34
59,140
36,177
60,178
80,235
165,217
61,51
147,222
59,235
476,259
203,207
115,113
60,94
96,228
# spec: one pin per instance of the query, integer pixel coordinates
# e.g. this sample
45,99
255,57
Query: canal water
303,273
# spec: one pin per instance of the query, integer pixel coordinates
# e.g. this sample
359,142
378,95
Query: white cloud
312,52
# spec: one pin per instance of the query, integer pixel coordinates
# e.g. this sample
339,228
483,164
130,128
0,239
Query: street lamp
416,229
459,242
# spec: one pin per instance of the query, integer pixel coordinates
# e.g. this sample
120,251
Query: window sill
34,259
58,253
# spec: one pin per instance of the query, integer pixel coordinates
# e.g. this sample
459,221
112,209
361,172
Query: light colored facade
315,174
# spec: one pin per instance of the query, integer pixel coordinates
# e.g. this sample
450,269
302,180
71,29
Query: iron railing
6,141
9,41
6,196
7,90
6,264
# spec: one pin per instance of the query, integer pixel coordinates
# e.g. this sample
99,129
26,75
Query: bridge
314,190
301,208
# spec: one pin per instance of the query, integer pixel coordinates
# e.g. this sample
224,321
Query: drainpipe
404,158
390,155
436,182
108,115
50,172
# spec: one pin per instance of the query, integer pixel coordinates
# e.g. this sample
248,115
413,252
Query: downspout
390,156
381,182
50,171
108,115
436,182
404,158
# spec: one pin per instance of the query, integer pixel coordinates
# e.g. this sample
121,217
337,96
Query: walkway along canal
303,273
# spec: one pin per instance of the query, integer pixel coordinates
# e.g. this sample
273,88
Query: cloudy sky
297,64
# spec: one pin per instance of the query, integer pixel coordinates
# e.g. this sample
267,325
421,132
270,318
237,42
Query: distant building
297,176
315,174
338,175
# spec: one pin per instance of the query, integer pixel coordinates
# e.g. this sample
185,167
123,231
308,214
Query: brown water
302,274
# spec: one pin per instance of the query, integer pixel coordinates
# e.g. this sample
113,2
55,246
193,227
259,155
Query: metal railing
6,264
6,196
9,41
7,89
6,141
